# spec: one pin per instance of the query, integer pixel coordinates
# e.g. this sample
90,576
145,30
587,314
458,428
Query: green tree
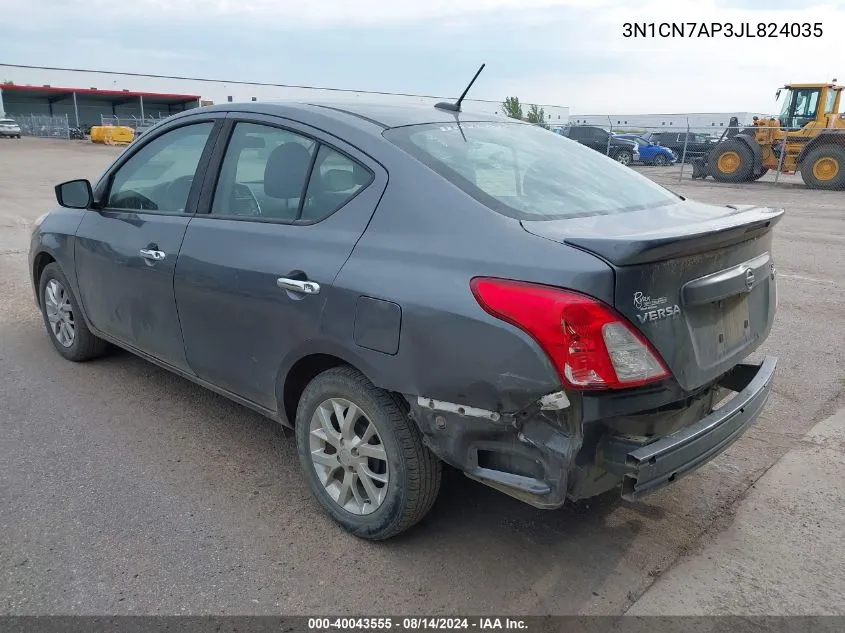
512,107
537,116
8,82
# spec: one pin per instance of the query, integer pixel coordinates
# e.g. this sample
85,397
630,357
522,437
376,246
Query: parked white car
10,128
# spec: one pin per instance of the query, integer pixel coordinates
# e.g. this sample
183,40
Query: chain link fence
44,126
689,148
134,122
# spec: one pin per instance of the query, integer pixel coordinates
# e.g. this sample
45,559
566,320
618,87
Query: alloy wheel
59,313
349,456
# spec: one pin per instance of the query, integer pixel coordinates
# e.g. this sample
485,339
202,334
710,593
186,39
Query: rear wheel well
303,372
38,266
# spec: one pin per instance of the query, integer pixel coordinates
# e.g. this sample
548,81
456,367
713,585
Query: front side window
275,174
159,176
525,172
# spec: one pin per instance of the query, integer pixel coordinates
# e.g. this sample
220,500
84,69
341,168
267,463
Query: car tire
374,496
624,157
660,161
63,319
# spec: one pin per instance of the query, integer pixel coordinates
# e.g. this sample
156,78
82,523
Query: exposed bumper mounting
652,466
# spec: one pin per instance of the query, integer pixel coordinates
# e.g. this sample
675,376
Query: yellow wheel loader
808,136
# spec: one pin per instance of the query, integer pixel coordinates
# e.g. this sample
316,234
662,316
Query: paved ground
124,489
781,553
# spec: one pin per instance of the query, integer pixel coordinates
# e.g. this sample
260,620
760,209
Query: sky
566,52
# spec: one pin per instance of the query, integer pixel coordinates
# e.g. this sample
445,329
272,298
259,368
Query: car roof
383,115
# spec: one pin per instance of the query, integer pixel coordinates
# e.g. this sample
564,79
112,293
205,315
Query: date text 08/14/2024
415,624
722,29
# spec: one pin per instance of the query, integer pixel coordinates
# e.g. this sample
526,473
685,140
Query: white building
695,120
236,91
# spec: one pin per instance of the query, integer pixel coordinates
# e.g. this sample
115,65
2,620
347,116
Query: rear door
126,251
257,265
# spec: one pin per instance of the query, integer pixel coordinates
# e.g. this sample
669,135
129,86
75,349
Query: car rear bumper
538,462
646,468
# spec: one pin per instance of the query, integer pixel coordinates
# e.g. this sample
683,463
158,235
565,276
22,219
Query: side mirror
75,194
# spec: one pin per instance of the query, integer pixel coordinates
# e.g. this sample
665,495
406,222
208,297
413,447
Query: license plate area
722,328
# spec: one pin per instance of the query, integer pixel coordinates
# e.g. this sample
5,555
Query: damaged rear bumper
539,456
648,467
527,455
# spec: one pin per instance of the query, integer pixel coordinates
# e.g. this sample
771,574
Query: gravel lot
124,489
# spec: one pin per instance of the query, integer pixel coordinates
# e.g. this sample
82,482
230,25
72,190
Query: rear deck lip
660,463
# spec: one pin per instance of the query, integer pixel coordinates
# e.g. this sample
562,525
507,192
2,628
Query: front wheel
660,160
363,458
64,321
625,157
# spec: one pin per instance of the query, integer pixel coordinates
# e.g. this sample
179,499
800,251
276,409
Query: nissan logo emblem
749,279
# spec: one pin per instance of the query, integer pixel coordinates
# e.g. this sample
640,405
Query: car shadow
523,559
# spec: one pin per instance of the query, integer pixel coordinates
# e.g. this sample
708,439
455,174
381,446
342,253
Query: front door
255,271
126,250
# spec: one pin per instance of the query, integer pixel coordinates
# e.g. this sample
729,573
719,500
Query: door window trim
104,185
215,167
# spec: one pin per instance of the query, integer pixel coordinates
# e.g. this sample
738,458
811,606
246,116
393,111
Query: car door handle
297,285
152,255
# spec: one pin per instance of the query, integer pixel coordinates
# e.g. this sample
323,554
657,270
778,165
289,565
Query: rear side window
335,180
271,173
529,173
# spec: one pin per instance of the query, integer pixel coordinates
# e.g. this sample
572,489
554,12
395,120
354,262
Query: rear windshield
527,172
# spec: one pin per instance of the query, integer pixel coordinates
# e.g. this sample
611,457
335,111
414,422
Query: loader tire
732,161
824,167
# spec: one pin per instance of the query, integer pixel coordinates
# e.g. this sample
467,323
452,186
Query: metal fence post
609,135
684,155
780,159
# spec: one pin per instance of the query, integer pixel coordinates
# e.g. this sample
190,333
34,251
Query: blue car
651,153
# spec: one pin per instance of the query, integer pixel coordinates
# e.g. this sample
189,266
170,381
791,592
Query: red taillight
590,344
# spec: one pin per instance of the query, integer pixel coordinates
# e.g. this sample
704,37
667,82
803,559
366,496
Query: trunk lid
697,280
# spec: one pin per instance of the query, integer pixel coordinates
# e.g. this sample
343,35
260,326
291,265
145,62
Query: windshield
526,172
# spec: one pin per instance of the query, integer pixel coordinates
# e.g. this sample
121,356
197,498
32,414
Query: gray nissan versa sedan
408,286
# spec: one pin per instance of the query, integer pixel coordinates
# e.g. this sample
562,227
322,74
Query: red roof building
87,106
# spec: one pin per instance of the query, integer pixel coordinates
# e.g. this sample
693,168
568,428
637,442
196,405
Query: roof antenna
456,107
